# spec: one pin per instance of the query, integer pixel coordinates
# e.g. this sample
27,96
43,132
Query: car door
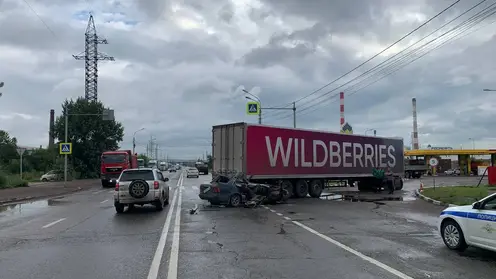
482,223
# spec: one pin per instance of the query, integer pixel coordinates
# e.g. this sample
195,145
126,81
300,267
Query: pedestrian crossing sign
65,148
253,108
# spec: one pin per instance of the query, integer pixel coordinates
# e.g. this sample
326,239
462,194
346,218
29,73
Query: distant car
470,225
192,172
452,172
139,187
172,170
52,175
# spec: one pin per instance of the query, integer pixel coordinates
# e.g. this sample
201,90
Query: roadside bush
16,181
32,175
3,181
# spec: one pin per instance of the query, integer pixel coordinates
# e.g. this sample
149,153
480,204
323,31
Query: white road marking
280,214
111,191
287,218
194,187
272,210
104,201
157,258
97,192
354,252
174,254
53,223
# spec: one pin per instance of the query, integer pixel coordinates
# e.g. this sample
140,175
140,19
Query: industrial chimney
341,109
415,141
51,128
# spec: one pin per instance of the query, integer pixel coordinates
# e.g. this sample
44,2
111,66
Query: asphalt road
80,236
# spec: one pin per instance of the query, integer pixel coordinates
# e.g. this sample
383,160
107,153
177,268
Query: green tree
144,157
8,146
89,134
40,159
210,161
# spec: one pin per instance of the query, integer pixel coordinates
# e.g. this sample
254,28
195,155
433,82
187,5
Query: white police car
470,225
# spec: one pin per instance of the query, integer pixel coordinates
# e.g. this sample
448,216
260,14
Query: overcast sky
181,66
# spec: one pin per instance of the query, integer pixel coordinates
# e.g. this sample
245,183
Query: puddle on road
366,197
420,217
331,197
28,208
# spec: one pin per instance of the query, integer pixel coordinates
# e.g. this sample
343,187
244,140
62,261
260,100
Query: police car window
491,205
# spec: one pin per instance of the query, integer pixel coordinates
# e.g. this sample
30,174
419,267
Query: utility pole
149,153
294,114
91,56
156,151
293,109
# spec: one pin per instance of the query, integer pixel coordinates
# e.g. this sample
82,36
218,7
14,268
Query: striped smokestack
51,127
341,109
415,141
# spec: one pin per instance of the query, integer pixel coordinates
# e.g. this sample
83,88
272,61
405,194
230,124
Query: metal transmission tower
91,56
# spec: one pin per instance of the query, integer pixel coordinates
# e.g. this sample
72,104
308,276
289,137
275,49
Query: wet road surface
80,236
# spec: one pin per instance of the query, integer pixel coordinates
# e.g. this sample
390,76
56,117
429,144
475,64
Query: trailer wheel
399,185
301,188
363,186
316,187
288,186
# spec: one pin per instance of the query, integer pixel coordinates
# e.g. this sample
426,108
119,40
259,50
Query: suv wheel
138,189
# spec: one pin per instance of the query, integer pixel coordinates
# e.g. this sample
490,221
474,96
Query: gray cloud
178,73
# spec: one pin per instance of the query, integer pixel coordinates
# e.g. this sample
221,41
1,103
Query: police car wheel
453,236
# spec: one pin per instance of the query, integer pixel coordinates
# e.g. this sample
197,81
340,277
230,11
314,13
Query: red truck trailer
113,163
305,160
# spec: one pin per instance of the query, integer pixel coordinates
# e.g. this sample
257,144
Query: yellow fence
451,152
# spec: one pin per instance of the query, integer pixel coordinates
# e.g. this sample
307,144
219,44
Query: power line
387,63
397,64
41,19
376,55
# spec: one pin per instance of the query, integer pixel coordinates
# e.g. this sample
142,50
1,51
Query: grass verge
7,181
459,195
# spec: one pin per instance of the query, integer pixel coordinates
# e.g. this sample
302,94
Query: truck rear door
228,146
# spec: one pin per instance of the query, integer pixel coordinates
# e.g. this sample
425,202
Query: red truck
305,160
113,163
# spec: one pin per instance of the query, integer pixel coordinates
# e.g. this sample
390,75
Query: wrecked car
236,191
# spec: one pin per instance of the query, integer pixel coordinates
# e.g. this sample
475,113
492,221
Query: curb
30,198
435,202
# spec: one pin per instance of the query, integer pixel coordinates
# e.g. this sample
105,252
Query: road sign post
253,108
433,162
20,151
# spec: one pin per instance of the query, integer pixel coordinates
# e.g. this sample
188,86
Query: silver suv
141,186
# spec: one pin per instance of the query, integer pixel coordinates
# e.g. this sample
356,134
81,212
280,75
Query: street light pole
473,142
66,132
490,90
1,85
255,98
134,138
